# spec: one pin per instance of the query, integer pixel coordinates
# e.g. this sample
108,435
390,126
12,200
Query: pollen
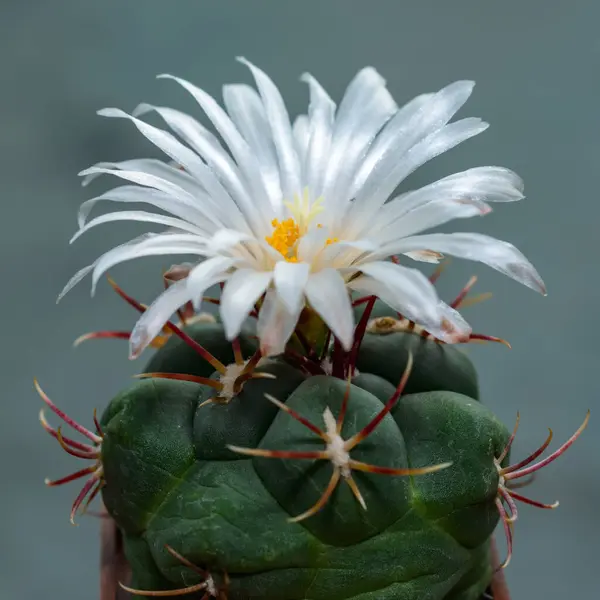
288,232
285,238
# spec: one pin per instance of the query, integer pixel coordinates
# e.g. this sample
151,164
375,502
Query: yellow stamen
287,233
284,238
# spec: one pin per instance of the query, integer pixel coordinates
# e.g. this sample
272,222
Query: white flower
302,214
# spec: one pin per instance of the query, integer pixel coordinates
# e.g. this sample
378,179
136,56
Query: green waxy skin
145,461
171,480
239,423
436,366
177,357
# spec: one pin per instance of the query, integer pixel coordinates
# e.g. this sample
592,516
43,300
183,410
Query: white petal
239,296
328,295
443,139
426,313
434,316
158,313
321,113
410,289
454,328
432,215
184,125
499,255
489,184
426,256
279,121
152,166
85,270
301,138
290,280
275,324
312,243
178,152
353,134
205,274
164,186
363,86
237,244
74,281
411,125
438,142
142,217
368,285
344,254
254,251
225,238
495,184
247,112
364,245
257,208
147,245
386,139
209,148
137,194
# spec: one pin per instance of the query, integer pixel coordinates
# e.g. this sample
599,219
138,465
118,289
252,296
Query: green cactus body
436,366
177,357
171,479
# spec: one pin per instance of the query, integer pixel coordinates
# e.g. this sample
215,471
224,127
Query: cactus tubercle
337,450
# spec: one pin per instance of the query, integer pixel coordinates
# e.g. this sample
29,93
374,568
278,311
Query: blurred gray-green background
536,64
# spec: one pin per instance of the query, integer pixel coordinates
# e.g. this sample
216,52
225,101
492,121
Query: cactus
310,444
373,474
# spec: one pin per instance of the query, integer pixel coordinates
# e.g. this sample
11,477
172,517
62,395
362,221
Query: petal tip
346,344
110,112
232,330
538,285
137,343
63,293
541,286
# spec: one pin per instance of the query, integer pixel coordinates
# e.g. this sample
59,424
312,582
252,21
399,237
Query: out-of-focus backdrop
537,67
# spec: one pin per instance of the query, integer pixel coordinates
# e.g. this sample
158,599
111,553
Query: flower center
287,233
285,238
